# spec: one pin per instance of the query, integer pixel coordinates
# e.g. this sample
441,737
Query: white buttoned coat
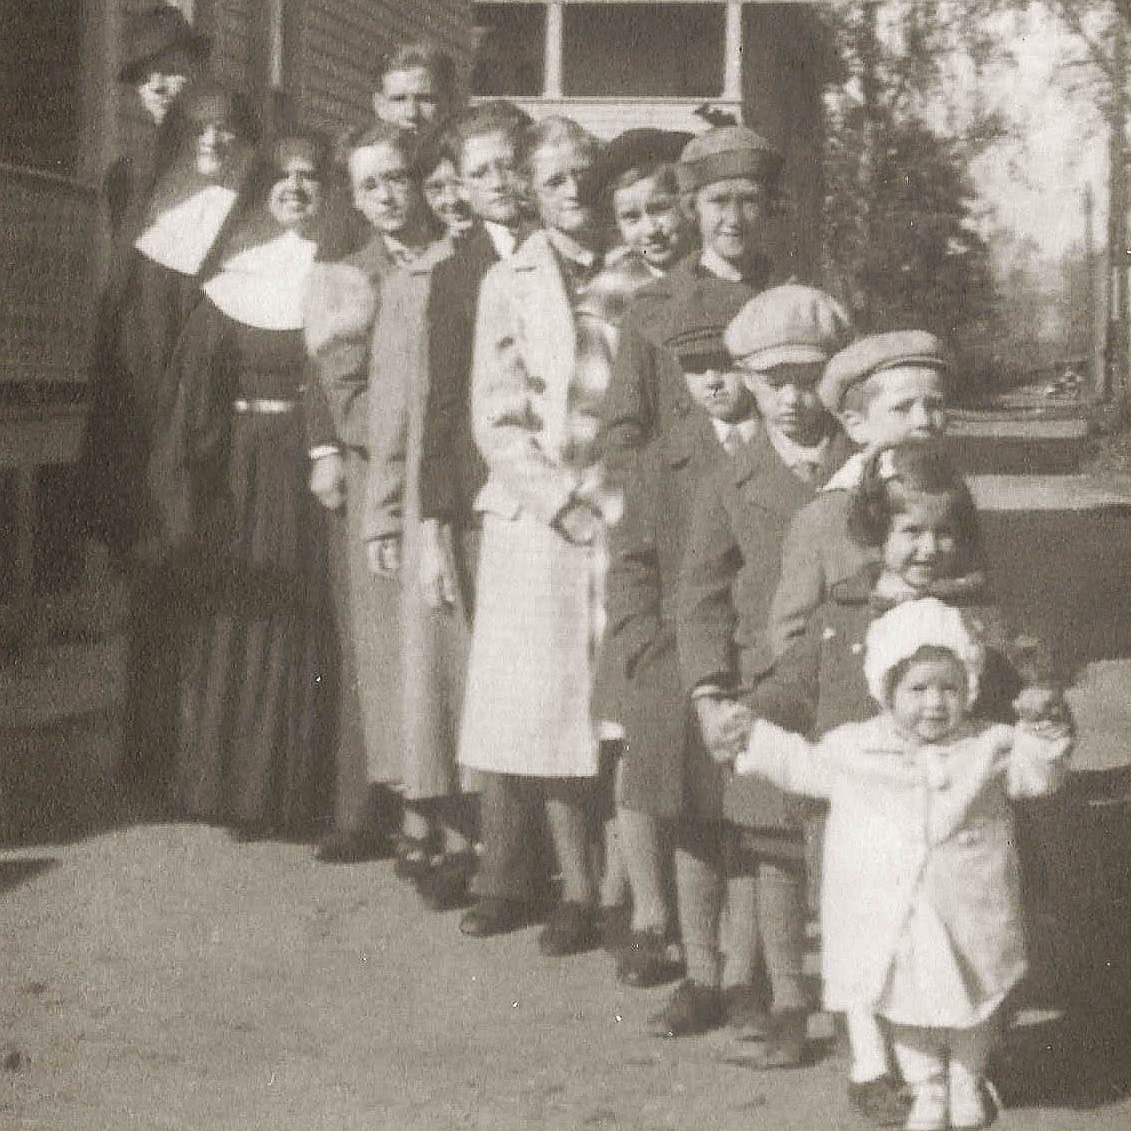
916,830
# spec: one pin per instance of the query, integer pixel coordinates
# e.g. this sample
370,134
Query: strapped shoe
646,959
785,1041
883,1102
494,916
692,1009
746,1012
928,1107
570,929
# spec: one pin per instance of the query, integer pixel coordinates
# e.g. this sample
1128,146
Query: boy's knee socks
781,921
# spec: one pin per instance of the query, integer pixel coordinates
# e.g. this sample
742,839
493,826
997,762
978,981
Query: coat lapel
763,479
546,329
691,438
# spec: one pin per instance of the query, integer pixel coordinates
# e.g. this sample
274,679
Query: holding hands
1042,707
436,574
328,480
384,556
725,726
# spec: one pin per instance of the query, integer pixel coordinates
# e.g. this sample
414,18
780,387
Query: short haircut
422,54
663,171
436,147
893,475
555,130
859,396
495,117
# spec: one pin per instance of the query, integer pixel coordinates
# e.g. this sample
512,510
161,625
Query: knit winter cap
725,152
875,353
788,325
901,632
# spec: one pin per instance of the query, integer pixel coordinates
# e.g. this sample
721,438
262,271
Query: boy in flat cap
883,388
729,180
749,845
663,769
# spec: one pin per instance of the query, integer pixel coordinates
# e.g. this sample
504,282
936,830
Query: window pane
644,50
509,60
39,84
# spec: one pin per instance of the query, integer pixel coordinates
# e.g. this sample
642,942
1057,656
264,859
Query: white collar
848,475
401,253
181,233
795,455
747,429
504,239
711,261
264,285
569,248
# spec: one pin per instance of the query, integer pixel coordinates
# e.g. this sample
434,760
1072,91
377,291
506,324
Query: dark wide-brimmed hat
636,149
151,34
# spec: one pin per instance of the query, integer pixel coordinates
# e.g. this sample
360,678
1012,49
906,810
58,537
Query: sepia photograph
562,565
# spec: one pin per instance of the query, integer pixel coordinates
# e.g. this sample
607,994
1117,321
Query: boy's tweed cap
728,151
700,348
874,354
788,325
695,324
900,633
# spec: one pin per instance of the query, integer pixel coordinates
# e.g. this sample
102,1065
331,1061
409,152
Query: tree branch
1070,14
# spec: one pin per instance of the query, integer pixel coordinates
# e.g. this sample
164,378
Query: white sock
869,1049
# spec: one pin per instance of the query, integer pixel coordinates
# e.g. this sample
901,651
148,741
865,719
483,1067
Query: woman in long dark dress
159,257
232,475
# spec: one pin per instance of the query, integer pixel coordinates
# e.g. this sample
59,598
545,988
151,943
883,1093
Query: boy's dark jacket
639,683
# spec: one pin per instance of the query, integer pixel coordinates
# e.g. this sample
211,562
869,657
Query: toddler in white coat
920,904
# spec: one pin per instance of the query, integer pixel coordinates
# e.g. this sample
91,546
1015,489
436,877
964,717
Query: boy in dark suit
752,848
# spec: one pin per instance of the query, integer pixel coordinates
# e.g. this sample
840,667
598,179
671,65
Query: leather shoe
692,1009
570,929
883,1102
444,886
746,1012
785,1041
493,916
646,959
351,848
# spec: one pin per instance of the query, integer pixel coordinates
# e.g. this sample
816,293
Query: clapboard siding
232,40
343,42
45,295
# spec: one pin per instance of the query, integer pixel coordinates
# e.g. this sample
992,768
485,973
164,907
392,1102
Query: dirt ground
164,977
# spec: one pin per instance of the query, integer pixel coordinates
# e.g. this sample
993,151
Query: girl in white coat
920,904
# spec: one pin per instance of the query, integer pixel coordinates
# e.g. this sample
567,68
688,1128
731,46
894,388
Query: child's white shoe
928,1107
969,1110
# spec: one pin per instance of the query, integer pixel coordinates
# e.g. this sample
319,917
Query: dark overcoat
665,769
647,393
451,469
728,578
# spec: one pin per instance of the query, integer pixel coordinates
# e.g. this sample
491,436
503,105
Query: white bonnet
901,632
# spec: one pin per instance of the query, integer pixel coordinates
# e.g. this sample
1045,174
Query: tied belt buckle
263,405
